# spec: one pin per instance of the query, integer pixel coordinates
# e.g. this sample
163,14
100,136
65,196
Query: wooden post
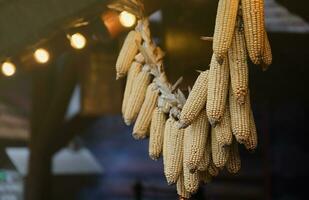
44,127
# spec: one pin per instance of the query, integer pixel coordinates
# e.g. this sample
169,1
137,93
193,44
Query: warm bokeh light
41,55
127,19
78,41
8,69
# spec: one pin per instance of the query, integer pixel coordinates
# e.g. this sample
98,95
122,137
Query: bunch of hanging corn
197,136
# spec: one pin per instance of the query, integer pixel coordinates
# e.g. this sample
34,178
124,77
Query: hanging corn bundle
197,136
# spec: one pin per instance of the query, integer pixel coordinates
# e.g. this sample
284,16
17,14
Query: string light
127,19
78,41
8,68
41,55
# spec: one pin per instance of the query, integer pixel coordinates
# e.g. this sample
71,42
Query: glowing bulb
41,55
127,19
8,69
78,41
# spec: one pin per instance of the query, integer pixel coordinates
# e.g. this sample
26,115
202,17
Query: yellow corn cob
203,165
238,65
240,118
127,53
195,141
205,176
137,96
167,134
191,180
181,190
218,82
174,153
253,18
252,141
223,129
156,133
143,120
224,28
212,169
220,154
233,164
196,100
267,55
132,74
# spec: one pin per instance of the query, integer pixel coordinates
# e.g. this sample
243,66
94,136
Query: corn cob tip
219,59
241,99
182,125
138,136
153,157
214,122
182,198
119,75
127,122
264,67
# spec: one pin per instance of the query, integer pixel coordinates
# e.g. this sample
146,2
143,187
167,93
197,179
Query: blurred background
61,131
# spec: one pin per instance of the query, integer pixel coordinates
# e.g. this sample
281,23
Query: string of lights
77,41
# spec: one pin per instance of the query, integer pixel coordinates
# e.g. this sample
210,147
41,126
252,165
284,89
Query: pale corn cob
132,74
223,129
238,64
218,86
205,177
137,96
167,134
156,133
233,164
220,154
252,141
191,180
196,100
203,165
267,55
195,141
143,120
181,190
174,152
254,27
127,53
224,28
240,118
212,169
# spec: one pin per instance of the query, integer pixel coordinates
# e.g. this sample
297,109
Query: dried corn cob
196,100
254,27
212,169
224,28
205,176
218,82
191,180
156,133
203,165
252,141
240,118
233,164
223,129
143,120
166,138
267,55
220,154
174,153
127,53
137,96
132,74
195,141
238,64
181,190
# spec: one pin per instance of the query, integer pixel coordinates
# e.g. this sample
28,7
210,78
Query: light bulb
78,41
8,68
127,19
41,55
